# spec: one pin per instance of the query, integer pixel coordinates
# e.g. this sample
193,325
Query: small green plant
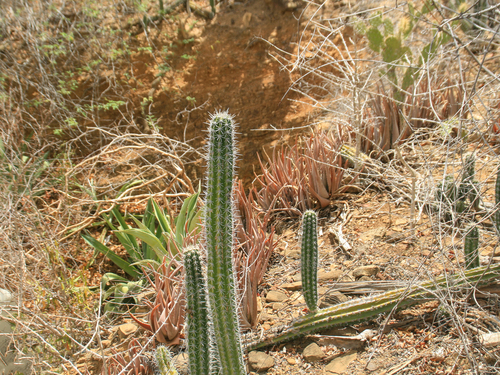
309,259
471,245
155,237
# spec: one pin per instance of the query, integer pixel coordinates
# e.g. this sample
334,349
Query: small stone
339,365
366,271
181,363
296,285
365,278
247,19
292,254
373,366
276,296
277,306
260,361
127,329
5,296
106,343
313,353
291,361
330,275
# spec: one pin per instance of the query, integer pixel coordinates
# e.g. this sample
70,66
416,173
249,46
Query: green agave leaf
120,262
146,236
147,262
129,242
162,218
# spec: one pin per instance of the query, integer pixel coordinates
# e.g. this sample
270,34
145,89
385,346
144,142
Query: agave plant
284,182
389,121
302,177
156,236
255,248
138,362
166,316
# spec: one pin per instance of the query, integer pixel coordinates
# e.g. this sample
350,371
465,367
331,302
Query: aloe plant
309,259
471,245
219,243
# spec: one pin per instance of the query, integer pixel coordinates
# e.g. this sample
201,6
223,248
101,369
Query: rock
127,329
291,361
247,19
181,361
330,275
313,353
339,365
276,296
277,306
373,366
366,271
296,285
332,298
5,296
292,254
260,361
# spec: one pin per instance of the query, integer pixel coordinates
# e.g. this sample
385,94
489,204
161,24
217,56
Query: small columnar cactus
309,259
496,215
197,314
219,243
471,245
163,361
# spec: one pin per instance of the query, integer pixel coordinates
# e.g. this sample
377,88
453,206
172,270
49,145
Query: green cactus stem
471,245
219,242
163,361
197,314
309,259
496,215
367,308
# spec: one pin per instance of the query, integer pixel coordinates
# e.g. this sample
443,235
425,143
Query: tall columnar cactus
197,314
471,245
219,242
309,259
163,361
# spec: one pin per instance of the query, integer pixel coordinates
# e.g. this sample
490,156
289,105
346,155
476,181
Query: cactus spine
309,259
471,245
197,314
219,242
164,361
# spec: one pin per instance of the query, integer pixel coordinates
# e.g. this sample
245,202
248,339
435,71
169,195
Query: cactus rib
219,242
309,259
366,308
